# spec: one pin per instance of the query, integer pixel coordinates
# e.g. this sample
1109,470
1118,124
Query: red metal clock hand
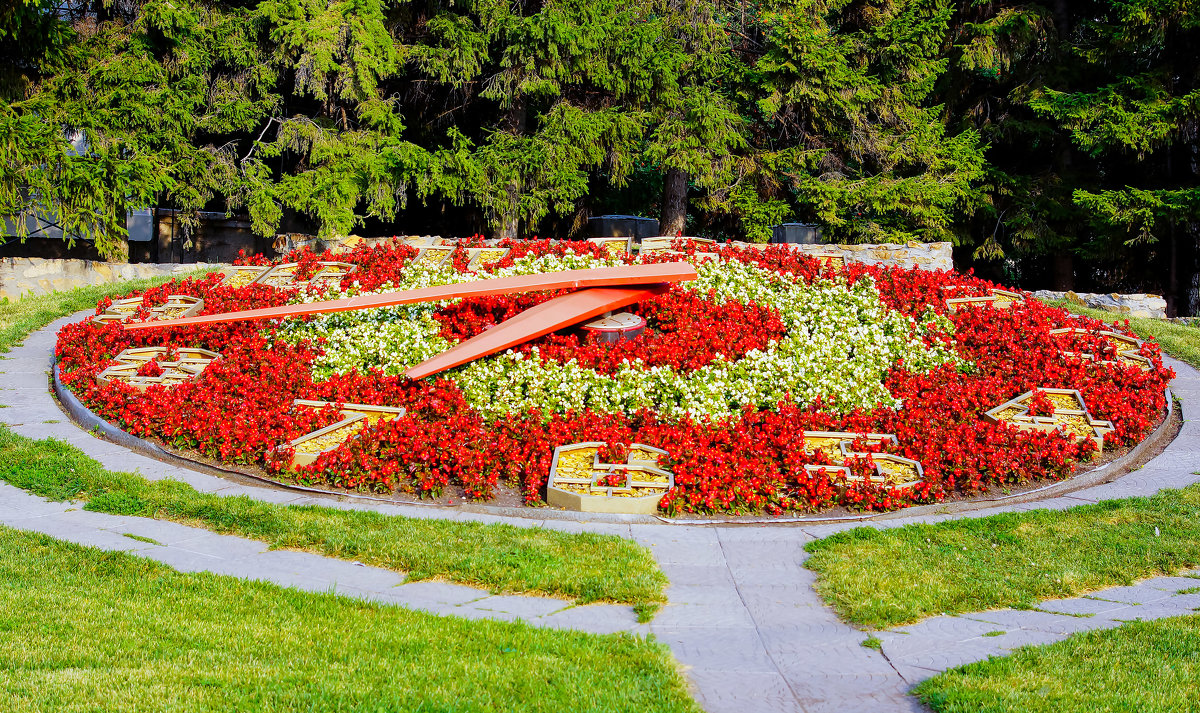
570,279
534,322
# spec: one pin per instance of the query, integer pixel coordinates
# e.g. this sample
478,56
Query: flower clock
761,381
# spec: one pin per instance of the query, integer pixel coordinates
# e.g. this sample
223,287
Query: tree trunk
509,222
1064,272
1062,18
674,203
1172,291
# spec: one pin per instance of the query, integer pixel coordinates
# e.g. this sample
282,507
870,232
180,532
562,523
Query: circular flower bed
733,370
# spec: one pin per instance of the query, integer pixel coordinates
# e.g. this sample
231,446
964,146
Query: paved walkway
742,616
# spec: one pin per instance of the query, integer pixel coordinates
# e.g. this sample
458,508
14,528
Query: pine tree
1090,111
846,133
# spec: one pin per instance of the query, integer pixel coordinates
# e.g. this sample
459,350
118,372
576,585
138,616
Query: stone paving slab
818,630
1149,612
705,616
704,594
1174,584
599,618
721,691
847,657
810,620
687,553
913,675
1042,621
761,534
686,574
854,692
1141,593
524,607
1088,606
454,594
29,414
949,656
789,577
939,630
717,649
81,534
181,559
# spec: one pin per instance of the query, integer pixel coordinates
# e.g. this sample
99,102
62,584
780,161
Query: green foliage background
1017,130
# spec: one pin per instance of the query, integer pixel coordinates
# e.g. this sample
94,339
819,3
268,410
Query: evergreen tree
340,110
845,132
1090,109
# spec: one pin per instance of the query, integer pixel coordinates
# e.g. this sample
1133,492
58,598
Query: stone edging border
89,421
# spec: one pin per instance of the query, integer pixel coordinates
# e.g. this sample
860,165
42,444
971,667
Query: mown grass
86,630
584,567
883,578
1141,666
1181,341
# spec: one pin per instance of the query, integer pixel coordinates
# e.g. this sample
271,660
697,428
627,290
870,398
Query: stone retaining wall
928,256
1134,305
22,276
35,276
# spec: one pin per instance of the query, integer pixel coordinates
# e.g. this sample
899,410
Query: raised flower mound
731,371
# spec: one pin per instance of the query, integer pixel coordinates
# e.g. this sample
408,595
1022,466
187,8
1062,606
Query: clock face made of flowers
764,348
1068,414
579,481
143,367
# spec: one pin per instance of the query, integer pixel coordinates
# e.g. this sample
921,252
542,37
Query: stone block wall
34,276
1133,305
928,256
24,276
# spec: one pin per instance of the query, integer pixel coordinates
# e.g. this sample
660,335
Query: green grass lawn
585,567
502,558
1141,666
86,630
883,578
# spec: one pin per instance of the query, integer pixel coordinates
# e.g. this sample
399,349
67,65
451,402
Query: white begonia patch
841,341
